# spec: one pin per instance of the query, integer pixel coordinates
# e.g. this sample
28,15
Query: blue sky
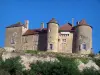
37,11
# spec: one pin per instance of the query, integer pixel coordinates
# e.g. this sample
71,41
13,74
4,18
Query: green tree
12,66
65,66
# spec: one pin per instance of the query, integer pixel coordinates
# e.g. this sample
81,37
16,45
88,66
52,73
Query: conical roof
53,20
83,21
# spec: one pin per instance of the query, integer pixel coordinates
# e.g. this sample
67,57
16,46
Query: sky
37,11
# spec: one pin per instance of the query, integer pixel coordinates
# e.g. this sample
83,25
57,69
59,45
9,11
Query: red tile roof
66,27
30,32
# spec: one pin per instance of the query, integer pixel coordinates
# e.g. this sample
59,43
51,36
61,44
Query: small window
67,34
84,46
51,46
12,40
64,40
49,30
58,40
25,40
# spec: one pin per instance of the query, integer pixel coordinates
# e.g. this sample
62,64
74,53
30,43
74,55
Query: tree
12,66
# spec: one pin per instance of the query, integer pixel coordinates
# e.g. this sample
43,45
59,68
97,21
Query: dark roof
53,20
16,25
82,22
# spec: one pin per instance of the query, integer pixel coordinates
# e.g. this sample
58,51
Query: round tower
83,35
52,35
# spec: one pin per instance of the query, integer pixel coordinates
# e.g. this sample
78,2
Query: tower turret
83,38
52,35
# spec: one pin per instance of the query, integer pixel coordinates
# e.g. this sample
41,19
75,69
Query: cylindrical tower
52,35
83,35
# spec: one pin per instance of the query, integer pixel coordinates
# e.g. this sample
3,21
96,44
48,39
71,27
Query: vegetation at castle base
11,66
97,61
65,66
90,71
32,51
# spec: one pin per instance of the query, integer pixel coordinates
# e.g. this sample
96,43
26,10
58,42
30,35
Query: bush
66,66
91,55
97,61
90,71
12,66
32,51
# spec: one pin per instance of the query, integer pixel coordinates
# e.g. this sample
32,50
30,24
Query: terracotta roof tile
66,27
30,32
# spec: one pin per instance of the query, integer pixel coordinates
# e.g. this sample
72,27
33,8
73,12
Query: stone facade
55,38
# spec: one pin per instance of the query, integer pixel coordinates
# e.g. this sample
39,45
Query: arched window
13,37
12,40
51,46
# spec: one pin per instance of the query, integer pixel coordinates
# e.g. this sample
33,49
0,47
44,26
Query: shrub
12,66
91,55
66,66
90,71
97,61
32,51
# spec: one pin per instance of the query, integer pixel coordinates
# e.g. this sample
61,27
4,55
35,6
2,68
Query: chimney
77,22
42,25
26,23
72,21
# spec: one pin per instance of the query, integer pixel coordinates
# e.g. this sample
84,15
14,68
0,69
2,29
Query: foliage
99,52
97,61
90,71
12,66
32,51
84,60
65,66
91,55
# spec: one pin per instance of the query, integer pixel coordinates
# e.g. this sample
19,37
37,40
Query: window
83,46
58,40
65,34
25,39
12,41
51,46
49,30
64,40
13,37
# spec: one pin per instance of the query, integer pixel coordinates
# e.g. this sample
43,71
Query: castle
55,38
